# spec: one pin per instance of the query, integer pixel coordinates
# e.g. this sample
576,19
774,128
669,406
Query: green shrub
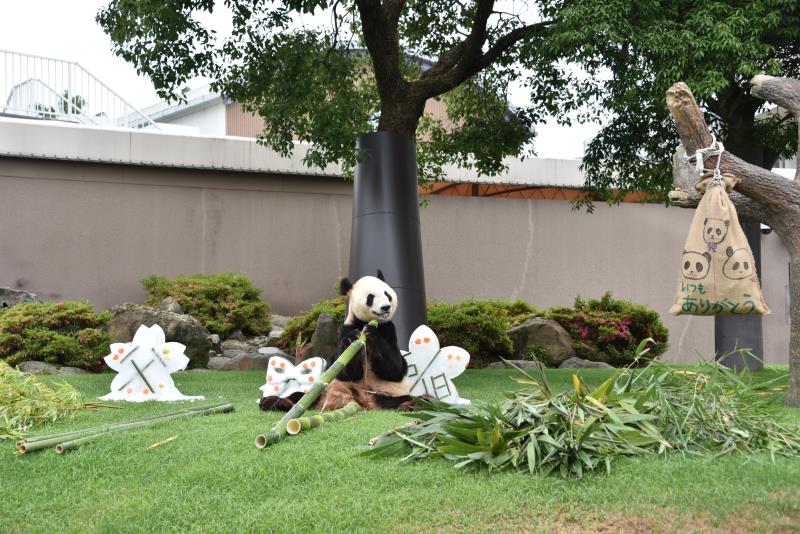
223,302
304,324
609,330
66,333
478,326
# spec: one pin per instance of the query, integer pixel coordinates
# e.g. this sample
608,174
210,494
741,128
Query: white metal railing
48,88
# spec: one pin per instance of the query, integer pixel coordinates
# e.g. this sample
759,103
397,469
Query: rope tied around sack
712,176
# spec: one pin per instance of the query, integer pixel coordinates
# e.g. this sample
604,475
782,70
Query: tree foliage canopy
632,51
326,71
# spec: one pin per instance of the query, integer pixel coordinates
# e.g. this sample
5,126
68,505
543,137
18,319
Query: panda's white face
371,298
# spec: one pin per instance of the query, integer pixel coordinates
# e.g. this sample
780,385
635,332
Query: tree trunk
775,197
386,226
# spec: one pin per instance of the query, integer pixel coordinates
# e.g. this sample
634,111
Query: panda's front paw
370,329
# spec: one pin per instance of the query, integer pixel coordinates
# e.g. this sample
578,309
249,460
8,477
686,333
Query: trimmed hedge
64,333
223,302
609,330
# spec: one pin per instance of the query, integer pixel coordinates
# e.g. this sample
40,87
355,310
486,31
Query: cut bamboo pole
295,426
75,443
27,444
279,430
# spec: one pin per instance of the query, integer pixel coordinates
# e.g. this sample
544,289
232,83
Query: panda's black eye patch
746,266
370,299
699,267
736,266
388,296
686,265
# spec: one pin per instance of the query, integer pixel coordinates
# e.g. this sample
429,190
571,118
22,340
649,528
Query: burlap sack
717,272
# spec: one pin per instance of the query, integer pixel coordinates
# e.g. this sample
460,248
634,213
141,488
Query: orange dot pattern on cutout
310,378
305,365
427,340
116,356
313,364
121,350
277,388
269,378
272,362
283,364
145,391
130,390
449,356
418,341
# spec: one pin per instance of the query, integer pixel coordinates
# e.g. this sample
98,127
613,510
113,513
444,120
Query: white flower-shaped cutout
144,366
284,378
432,369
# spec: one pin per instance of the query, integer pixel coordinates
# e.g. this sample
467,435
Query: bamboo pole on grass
75,443
295,426
278,431
36,443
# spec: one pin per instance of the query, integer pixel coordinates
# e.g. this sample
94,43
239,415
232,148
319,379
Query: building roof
73,142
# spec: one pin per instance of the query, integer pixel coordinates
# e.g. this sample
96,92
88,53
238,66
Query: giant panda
376,377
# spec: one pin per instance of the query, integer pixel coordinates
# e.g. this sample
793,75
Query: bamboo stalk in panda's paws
295,426
306,401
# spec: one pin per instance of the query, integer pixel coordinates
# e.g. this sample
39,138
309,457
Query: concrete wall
87,230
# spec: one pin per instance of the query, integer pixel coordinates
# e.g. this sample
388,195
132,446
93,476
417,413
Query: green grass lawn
213,479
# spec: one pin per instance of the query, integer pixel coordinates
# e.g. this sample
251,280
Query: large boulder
547,334
246,362
171,305
325,338
580,363
11,297
44,368
181,328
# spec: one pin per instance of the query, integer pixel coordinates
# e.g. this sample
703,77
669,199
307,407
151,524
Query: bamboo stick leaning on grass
295,426
75,443
27,444
278,431
42,442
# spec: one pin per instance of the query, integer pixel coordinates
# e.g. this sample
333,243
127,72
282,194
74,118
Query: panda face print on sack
739,264
715,231
694,265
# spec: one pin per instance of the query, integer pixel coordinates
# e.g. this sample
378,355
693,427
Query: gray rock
236,335
325,338
274,338
580,363
169,304
38,368
214,339
546,333
127,318
11,297
70,371
522,364
217,362
232,348
248,362
199,370
278,321
273,351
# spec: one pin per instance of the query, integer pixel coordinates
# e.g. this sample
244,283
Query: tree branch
761,185
464,60
776,199
383,43
785,92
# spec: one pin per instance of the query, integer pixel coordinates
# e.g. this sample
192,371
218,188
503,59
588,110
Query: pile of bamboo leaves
26,401
711,411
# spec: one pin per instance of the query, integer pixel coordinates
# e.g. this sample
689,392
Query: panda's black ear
380,276
707,256
345,285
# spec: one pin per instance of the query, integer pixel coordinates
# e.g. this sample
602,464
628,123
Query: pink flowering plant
609,330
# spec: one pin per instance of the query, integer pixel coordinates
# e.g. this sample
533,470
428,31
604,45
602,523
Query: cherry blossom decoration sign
285,378
144,366
432,369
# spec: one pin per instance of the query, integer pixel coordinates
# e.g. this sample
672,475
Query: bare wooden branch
785,92
778,195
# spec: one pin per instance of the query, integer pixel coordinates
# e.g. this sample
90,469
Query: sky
65,29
